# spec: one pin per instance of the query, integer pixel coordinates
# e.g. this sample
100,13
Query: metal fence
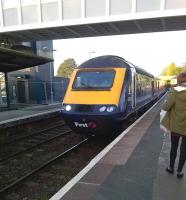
32,92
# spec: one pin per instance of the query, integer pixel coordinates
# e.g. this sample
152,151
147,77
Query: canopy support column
7,90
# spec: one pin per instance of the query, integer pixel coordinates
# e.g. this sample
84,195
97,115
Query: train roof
105,61
142,71
110,61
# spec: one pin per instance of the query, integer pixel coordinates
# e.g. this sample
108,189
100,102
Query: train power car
103,92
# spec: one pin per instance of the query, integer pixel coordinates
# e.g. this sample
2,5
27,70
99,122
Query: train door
125,102
133,72
128,84
153,87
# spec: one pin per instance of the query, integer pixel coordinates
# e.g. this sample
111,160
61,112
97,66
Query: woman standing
175,121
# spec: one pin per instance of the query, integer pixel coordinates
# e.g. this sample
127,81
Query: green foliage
182,68
66,68
173,70
164,71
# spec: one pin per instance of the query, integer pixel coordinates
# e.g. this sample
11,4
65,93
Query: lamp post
46,49
1,80
51,81
90,54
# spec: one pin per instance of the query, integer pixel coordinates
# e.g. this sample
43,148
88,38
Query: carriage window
143,85
94,80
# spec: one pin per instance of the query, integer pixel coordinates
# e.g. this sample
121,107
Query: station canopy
12,60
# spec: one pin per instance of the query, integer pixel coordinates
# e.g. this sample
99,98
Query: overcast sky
150,51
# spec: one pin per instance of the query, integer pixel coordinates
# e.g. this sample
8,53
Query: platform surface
131,168
10,118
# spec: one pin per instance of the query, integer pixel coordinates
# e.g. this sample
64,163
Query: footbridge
37,20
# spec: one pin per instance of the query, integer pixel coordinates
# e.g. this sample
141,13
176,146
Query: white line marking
96,159
28,116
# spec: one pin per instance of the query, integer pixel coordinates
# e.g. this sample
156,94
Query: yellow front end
110,96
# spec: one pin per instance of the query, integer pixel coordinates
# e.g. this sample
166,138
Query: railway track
44,163
56,161
26,143
38,169
30,152
12,134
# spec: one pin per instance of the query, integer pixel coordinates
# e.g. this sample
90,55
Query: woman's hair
181,78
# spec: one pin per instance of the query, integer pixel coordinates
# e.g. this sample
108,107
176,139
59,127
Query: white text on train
81,125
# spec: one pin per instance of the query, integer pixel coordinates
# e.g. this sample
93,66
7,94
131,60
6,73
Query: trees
66,68
183,68
173,70
164,71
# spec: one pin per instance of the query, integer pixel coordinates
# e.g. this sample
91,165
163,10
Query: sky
150,51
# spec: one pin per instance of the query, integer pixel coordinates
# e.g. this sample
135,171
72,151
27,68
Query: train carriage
103,92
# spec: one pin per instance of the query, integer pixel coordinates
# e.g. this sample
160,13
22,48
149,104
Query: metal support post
7,90
51,82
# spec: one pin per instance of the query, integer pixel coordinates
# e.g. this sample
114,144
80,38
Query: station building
34,85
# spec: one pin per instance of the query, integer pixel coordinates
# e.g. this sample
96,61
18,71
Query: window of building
50,11
27,14
11,17
120,6
48,1
173,4
28,2
150,5
9,3
95,8
71,9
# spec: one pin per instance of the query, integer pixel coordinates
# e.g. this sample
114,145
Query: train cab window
88,80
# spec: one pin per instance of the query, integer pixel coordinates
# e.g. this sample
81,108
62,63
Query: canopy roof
12,60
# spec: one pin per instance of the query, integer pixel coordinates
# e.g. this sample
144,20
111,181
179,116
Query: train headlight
68,107
110,109
102,108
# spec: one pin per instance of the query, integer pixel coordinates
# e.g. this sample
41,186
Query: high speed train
104,92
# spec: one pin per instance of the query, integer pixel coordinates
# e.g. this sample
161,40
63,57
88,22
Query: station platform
27,113
132,167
